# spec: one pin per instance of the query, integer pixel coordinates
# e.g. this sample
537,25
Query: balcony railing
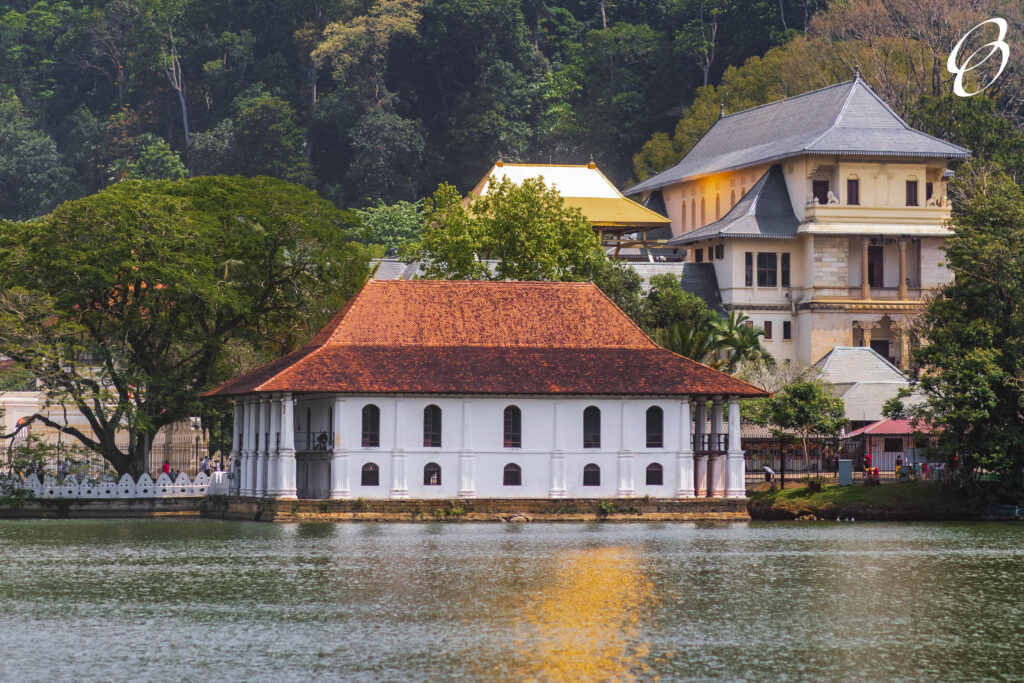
710,443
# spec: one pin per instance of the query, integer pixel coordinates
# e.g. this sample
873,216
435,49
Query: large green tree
33,176
804,407
129,303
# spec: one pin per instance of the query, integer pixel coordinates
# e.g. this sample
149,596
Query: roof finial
721,109
591,164
856,71
499,162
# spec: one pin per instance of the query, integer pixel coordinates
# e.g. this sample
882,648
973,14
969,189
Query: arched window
431,474
591,475
683,217
371,426
513,427
655,427
513,475
371,475
655,475
592,427
718,206
432,427
703,213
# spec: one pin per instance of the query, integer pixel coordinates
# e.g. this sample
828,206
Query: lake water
164,600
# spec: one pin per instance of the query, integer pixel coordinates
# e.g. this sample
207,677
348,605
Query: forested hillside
363,100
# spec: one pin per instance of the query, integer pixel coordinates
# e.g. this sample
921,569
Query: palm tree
699,343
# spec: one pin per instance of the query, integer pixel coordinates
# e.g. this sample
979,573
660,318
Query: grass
900,500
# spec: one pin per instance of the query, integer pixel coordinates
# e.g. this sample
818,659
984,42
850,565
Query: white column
700,458
286,458
716,474
467,459
684,456
236,446
736,484
339,457
626,487
247,447
274,448
262,409
399,483
557,489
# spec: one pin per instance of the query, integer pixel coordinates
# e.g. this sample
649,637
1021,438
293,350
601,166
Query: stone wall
831,266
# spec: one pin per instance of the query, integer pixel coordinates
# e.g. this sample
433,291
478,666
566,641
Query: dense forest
363,100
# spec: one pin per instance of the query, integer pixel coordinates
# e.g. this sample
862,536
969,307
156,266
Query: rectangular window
892,445
876,264
787,329
767,329
852,192
719,251
911,193
785,269
698,255
767,270
929,189
820,190
749,264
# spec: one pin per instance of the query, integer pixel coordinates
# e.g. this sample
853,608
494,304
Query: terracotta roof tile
484,338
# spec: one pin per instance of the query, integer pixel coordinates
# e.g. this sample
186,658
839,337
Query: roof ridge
839,115
784,99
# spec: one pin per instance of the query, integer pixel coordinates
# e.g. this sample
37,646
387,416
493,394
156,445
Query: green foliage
392,225
804,408
186,281
33,176
387,153
525,229
270,142
156,160
14,377
973,355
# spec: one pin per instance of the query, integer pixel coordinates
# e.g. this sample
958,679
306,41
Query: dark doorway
875,267
820,190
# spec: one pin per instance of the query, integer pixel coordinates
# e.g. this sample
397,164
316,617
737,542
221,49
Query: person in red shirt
167,468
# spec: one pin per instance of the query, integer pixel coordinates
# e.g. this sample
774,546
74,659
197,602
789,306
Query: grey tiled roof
850,364
848,118
701,280
764,211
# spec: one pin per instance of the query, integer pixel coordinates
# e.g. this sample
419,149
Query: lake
104,600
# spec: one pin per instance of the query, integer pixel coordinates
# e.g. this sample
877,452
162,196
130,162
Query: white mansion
437,389
820,216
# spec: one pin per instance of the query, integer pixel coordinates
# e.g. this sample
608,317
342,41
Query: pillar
467,458
340,488
735,471
626,488
247,447
700,457
262,427
716,470
684,456
865,287
557,485
236,445
903,268
399,482
286,459
274,448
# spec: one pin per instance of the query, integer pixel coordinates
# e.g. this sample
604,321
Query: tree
155,160
392,225
269,141
32,172
972,360
667,303
526,229
387,153
804,406
129,303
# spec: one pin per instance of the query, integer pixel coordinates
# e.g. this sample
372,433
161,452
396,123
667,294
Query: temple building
438,389
823,216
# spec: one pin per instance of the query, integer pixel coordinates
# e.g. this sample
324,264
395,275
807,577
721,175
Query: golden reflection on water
584,624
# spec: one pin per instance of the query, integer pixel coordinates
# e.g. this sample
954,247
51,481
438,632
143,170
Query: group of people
206,467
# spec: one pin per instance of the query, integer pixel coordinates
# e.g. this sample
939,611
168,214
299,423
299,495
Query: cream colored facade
830,299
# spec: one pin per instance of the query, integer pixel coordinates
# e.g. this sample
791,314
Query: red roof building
528,363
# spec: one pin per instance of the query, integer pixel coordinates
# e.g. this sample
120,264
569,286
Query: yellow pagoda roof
584,187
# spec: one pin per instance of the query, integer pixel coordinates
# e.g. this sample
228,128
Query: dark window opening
929,190
370,476
432,427
698,255
748,260
592,427
655,475
767,329
719,251
881,347
785,269
911,193
655,427
767,270
513,475
853,192
787,329
820,190
591,475
431,474
876,268
513,427
371,426
893,445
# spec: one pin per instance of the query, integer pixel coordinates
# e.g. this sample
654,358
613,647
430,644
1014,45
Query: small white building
438,389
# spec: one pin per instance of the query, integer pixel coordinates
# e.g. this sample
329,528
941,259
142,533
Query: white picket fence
145,487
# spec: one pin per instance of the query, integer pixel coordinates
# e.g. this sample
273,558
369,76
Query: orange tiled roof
434,336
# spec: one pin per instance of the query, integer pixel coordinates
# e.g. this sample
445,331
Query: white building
437,389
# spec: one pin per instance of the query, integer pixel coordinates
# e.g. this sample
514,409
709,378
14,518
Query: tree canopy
129,303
